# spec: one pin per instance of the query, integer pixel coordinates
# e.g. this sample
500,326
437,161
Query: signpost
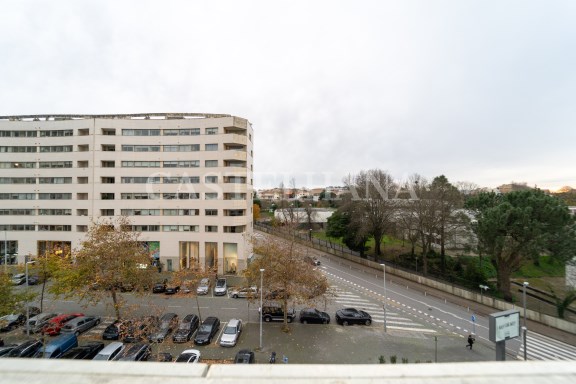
503,326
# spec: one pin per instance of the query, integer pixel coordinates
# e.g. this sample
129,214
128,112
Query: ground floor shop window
189,254
211,255
230,258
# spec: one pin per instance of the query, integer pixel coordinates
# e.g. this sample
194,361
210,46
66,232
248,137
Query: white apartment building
184,180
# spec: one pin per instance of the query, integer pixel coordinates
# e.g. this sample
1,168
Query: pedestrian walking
272,358
471,341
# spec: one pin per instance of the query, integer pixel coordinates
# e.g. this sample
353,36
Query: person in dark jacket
471,340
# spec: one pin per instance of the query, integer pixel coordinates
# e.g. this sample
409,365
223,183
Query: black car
276,313
188,325
135,352
159,287
113,331
244,356
33,280
26,349
170,290
84,352
5,349
348,316
168,322
207,330
137,330
312,315
9,322
163,357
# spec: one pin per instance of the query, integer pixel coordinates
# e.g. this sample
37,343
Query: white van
110,351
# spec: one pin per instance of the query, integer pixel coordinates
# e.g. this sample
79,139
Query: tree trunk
503,276
115,302
377,241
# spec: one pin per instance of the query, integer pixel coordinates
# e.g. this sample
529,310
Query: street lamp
27,306
385,296
261,293
482,289
5,251
524,328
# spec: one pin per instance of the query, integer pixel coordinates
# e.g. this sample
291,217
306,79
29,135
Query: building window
107,196
179,228
211,196
83,164
17,227
180,212
81,212
141,148
54,196
57,133
17,212
106,212
211,163
17,180
211,131
141,164
141,180
182,164
211,228
189,254
54,228
211,179
81,228
56,164
108,132
55,212
211,212
182,148
108,164
182,132
16,165
211,147
108,180
140,196
146,228
55,148
17,149
17,133
108,147
17,196
230,258
82,196
83,148
234,196
140,212
210,255
55,180
180,196
140,132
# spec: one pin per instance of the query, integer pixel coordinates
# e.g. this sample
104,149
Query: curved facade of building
184,180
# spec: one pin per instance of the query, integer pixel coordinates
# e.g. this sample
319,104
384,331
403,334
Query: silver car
36,323
247,292
80,324
231,333
203,286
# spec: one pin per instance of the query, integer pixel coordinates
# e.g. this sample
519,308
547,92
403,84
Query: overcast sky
480,91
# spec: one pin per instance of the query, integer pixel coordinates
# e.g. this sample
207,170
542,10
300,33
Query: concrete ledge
70,371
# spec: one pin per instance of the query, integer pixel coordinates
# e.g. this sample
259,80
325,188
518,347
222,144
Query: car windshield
230,330
205,328
220,283
186,357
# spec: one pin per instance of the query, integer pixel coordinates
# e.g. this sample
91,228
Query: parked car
159,287
5,349
244,356
312,260
55,324
162,357
26,349
348,316
113,331
18,279
135,352
84,352
221,287
207,330
9,322
276,313
246,292
110,351
80,324
203,286
168,322
57,347
189,356
36,323
137,330
188,325
172,289
33,280
231,333
312,315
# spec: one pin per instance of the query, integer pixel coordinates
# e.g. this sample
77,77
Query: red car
54,325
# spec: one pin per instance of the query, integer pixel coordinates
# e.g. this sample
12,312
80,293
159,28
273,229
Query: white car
221,287
189,356
203,286
231,333
19,279
249,292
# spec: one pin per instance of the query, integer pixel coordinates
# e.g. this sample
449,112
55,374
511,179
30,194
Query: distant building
185,181
513,187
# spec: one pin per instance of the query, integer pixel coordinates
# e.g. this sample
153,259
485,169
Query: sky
478,91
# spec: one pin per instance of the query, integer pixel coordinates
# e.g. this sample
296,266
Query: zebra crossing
541,347
394,320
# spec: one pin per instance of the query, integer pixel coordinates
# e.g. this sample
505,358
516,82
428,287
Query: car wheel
368,322
304,321
344,323
289,319
77,333
267,319
235,296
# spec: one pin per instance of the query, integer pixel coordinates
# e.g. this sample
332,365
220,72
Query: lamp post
261,293
524,328
5,251
27,306
385,296
482,289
